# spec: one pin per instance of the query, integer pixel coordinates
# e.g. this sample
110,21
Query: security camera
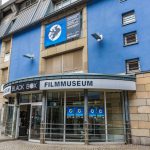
97,36
30,56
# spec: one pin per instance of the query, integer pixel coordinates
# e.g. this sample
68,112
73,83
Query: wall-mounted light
30,56
97,36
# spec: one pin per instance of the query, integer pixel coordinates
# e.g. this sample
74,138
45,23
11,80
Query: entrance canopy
71,81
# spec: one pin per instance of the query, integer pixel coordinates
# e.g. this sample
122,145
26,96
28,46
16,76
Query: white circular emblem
55,32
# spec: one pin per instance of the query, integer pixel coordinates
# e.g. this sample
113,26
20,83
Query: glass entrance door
35,122
24,119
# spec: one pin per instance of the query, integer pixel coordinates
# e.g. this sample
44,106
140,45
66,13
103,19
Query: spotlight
30,56
97,36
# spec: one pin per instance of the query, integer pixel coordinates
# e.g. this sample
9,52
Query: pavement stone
25,145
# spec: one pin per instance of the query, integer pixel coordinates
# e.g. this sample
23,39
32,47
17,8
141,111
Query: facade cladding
26,42
65,78
109,23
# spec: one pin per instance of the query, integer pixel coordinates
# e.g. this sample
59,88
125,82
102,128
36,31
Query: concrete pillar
86,117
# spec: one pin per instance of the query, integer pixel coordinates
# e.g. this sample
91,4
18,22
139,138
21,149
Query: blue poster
79,111
92,112
100,112
55,33
70,111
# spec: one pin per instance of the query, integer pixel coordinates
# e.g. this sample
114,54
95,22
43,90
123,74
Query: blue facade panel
109,55
25,42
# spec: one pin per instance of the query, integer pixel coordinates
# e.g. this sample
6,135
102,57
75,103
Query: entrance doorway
35,122
24,119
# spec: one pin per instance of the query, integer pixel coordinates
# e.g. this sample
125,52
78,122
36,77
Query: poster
79,111
92,112
63,30
70,111
100,112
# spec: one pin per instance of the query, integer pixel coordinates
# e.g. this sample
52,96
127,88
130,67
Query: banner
79,111
100,112
70,111
63,30
55,33
92,112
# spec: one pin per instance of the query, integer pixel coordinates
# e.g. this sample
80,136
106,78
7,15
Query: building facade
70,71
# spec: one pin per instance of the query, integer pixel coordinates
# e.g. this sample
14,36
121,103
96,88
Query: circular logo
100,111
55,32
70,111
79,110
92,111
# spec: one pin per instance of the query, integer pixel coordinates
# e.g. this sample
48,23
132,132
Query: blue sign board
79,111
63,30
92,112
100,112
70,111
55,33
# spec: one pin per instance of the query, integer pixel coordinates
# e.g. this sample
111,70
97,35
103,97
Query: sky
4,1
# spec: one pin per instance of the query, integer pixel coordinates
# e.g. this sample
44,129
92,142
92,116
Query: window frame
127,13
128,71
125,39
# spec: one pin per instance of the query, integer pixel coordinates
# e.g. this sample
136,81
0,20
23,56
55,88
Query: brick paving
25,145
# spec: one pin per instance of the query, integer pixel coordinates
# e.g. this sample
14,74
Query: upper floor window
27,3
63,3
133,65
122,1
7,44
130,38
4,75
128,17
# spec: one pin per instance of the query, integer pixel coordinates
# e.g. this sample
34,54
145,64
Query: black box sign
25,86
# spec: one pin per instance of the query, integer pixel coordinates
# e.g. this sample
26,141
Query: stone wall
139,107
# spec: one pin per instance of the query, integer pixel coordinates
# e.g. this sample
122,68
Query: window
7,50
4,75
122,1
27,3
128,17
130,38
68,62
63,3
7,57
133,65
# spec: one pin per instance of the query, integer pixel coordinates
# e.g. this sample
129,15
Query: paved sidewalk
24,145
5,138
